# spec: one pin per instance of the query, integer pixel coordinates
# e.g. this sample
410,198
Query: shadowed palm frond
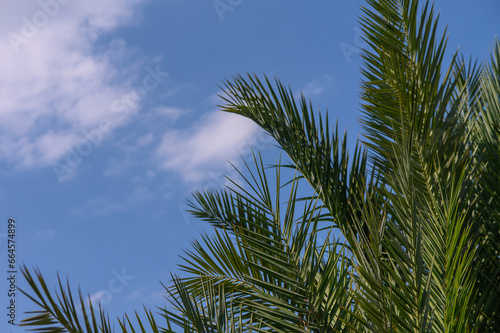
486,141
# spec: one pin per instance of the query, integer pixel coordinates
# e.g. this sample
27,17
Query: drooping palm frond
318,153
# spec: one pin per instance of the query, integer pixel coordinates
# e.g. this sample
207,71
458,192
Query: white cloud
55,81
217,138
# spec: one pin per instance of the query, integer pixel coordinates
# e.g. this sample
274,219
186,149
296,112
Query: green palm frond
415,123
317,152
209,311
266,255
128,326
61,313
486,140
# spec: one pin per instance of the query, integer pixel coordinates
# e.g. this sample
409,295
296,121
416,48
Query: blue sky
108,120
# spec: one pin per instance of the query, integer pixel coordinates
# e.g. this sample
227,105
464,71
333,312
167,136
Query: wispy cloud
58,78
209,144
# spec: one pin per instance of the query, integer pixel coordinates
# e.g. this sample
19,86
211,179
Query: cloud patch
57,79
216,139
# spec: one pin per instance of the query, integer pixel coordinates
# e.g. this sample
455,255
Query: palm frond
266,256
317,152
416,129
60,313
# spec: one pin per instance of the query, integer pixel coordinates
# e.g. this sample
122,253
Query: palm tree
401,236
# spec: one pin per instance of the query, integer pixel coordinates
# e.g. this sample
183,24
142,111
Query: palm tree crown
400,236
